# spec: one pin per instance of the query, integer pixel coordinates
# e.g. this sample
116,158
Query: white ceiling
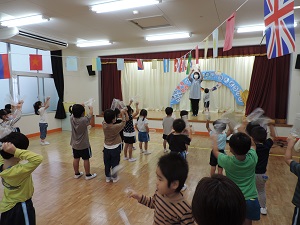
72,21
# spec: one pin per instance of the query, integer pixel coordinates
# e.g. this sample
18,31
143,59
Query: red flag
197,54
4,66
36,62
175,65
181,65
140,64
229,32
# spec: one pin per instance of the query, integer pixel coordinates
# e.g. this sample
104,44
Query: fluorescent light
254,28
92,43
120,5
24,21
168,36
297,7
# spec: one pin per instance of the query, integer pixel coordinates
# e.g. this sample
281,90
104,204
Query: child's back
80,135
167,124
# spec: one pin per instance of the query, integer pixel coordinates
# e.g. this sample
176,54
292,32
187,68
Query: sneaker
132,159
133,148
147,153
142,151
107,179
125,158
91,177
45,143
165,150
186,153
184,187
115,179
76,176
263,211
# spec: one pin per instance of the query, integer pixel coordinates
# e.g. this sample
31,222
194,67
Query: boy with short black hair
167,126
263,147
240,168
16,206
80,139
218,201
112,142
295,169
170,207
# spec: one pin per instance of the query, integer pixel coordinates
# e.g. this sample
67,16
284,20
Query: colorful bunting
205,48
98,64
140,64
4,66
176,65
94,64
197,54
215,42
230,22
36,62
120,64
154,64
166,65
189,64
71,62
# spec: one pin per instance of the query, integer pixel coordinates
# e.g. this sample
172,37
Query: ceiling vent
26,38
152,22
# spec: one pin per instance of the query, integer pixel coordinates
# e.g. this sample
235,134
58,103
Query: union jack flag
279,23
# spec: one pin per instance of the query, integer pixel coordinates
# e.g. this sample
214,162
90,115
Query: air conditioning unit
26,38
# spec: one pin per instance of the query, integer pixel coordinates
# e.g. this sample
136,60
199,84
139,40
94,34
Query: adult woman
195,90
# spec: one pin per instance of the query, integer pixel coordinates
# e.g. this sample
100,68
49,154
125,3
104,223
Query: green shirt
17,180
242,173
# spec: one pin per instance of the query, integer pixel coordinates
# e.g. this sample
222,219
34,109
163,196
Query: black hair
218,201
18,139
183,113
259,134
206,90
250,126
109,116
77,110
36,107
7,106
240,143
219,126
143,113
179,125
129,110
117,112
174,168
169,111
3,112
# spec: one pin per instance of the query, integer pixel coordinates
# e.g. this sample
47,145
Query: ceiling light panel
24,21
168,36
92,43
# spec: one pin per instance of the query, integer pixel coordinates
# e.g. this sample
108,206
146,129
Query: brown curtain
110,85
269,86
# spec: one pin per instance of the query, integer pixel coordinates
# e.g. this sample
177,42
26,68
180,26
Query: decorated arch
221,78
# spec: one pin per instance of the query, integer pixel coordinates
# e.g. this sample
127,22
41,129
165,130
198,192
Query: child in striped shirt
170,207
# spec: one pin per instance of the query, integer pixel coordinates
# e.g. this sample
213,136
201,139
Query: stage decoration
72,64
120,64
221,78
4,67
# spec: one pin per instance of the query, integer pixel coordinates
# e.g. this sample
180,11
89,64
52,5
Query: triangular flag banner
197,54
4,66
230,22
215,42
98,63
154,64
166,65
180,65
71,62
94,64
140,64
189,64
183,64
36,62
120,64
205,48
176,65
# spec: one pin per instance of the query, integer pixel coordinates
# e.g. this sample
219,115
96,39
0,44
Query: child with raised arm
263,147
16,206
295,169
170,207
195,90
240,168
41,109
112,142
219,128
167,126
11,115
129,133
80,140
206,100
218,201
141,126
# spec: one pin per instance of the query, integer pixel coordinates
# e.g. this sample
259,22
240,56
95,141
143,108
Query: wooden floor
61,199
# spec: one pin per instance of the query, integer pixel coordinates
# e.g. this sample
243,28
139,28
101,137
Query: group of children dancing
239,198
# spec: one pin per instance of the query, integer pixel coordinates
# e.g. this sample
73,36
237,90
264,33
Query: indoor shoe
76,176
91,177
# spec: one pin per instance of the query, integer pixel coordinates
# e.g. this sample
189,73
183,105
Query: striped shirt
169,211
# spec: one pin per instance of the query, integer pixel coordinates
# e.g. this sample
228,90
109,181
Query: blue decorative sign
223,78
